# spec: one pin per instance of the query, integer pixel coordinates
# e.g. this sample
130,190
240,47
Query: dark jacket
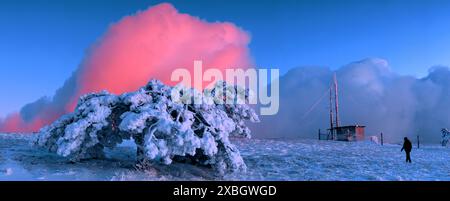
407,146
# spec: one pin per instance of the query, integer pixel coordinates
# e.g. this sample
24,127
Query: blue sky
43,42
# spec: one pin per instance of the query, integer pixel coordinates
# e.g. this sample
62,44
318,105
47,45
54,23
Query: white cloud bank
370,94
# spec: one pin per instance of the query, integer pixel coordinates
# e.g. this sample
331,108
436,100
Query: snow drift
150,44
369,94
164,129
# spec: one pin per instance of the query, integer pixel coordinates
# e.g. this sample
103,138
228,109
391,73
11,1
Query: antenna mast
336,99
331,114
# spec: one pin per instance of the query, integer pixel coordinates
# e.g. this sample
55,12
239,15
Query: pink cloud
150,44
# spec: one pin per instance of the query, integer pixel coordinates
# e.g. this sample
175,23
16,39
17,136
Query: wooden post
381,139
418,142
319,134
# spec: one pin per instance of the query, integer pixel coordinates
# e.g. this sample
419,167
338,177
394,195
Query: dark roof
349,126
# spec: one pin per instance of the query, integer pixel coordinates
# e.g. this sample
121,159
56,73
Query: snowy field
265,159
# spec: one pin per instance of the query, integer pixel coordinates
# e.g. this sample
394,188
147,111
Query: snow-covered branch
164,129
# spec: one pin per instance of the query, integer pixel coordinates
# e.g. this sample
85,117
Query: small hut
347,133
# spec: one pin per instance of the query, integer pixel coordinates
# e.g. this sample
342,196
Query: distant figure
445,136
407,146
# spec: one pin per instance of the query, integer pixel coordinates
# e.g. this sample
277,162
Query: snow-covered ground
265,159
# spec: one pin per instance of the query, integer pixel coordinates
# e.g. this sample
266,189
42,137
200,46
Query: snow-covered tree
167,124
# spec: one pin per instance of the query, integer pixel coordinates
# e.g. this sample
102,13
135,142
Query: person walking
407,146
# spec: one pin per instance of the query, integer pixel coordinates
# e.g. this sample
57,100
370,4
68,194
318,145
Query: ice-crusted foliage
232,100
194,127
81,134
